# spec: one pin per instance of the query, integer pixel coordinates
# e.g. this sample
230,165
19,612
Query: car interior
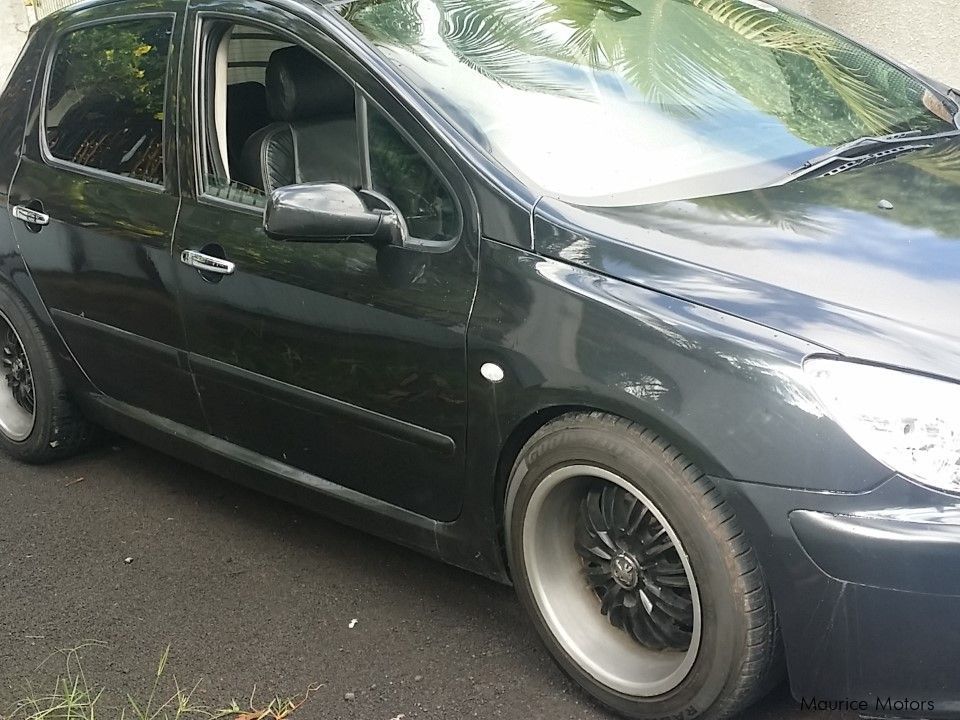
281,115
278,115
273,114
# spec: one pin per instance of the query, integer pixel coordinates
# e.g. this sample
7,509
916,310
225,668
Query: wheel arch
758,662
529,423
15,279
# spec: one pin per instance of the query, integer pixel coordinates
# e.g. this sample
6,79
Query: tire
686,627
54,429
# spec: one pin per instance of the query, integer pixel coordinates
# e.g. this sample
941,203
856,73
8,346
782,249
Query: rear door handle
31,216
207,263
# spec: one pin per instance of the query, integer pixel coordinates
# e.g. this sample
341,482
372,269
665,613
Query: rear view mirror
328,212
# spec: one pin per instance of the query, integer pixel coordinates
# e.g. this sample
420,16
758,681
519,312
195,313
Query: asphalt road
251,592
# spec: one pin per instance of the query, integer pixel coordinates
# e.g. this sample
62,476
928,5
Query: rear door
97,196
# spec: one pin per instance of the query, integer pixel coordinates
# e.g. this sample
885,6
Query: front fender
729,392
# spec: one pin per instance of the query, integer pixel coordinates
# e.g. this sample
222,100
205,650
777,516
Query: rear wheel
636,573
38,422
18,408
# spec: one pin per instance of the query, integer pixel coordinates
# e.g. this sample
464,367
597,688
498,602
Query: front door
96,194
337,359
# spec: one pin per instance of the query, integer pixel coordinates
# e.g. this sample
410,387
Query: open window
274,114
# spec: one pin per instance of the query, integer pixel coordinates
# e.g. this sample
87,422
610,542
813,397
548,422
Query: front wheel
636,573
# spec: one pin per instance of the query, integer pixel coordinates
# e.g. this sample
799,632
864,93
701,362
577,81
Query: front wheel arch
744,654
531,423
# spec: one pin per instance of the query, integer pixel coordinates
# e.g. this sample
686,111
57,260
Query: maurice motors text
879,704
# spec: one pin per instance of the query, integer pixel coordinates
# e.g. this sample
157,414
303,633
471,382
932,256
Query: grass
73,697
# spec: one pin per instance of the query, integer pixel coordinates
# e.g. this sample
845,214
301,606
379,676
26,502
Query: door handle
30,216
207,263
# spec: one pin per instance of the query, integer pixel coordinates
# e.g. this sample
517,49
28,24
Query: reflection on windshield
621,102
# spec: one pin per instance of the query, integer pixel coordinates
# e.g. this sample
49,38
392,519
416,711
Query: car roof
157,5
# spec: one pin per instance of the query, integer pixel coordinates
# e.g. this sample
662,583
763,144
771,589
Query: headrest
301,86
240,96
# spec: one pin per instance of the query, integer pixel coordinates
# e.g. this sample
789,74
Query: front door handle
33,218
207,263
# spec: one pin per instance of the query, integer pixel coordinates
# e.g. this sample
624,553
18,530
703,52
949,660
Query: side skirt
265,474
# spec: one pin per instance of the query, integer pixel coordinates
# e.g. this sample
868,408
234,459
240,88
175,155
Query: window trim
205,84
199,111
97,173
363,138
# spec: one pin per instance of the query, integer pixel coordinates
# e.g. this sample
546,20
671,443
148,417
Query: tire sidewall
723,622
42,373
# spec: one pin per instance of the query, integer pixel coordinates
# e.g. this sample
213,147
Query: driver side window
273,114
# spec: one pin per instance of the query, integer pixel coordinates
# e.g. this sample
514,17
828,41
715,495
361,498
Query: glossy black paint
848,639
15,109
324,356
346,377
820,259
104,261
881,550
326,212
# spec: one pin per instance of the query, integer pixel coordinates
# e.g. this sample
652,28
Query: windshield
625,102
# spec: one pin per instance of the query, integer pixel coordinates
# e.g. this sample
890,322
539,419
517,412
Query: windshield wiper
866,150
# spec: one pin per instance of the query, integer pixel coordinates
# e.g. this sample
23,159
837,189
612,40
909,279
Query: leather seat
314,134
247,112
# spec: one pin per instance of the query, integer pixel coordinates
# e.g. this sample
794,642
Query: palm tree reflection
710,64
683,55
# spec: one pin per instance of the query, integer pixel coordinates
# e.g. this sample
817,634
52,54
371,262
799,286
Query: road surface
248,591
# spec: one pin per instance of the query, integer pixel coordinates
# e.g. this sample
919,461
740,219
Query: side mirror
327,212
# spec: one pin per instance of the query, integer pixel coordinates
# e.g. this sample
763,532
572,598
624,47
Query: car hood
825,259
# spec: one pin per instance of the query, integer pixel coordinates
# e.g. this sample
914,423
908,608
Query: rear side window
105,98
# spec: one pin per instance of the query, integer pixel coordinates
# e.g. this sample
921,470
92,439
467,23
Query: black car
648,307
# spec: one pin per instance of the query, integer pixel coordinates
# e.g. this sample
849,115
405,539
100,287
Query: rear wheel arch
16,280
40,421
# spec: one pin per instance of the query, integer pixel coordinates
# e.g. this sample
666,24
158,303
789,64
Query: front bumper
867,589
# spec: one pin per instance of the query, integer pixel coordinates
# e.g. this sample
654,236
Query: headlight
910,423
